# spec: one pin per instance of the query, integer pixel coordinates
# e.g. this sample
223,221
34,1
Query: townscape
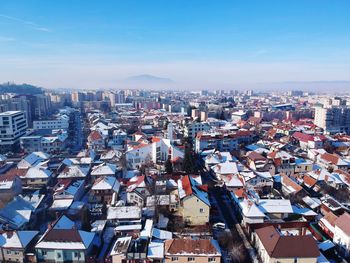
173,176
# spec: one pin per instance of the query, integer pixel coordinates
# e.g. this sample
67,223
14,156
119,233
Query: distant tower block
170,132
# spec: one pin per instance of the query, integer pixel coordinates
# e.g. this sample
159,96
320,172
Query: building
191,250
64,245
333,119
193,128
272,247
224,142
342,233
56,124
195,205
54,143
13,125
15,244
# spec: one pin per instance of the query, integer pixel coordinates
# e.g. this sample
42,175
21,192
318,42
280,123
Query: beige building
194,203
190,250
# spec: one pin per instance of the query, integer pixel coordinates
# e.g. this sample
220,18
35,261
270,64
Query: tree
168,166
188,163
85,220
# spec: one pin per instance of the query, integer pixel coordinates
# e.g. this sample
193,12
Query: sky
196,43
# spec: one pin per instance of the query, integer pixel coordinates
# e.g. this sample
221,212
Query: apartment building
13,125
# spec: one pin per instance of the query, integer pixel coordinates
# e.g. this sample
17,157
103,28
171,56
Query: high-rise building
13,125
333,119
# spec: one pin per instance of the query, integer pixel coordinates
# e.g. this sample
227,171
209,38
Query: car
219,225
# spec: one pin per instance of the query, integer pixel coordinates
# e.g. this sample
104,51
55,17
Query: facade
189,250
333,119
342,233
56,124
13,125
193,128
64,245
14,245
49,144
194,203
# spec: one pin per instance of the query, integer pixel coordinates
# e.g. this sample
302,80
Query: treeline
10,87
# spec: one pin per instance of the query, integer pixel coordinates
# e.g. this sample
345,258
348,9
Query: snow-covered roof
106,183
19,210
272,206
104,169
250,209
17,239
226,168
161,234
37,173
124,212
155,250
147,230
61,204
74,171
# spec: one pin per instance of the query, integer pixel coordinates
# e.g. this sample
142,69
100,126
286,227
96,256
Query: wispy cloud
30,24
6,39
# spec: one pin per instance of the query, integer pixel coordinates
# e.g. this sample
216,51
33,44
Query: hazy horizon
237,44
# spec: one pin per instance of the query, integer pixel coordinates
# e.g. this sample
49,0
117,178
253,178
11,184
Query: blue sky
94,44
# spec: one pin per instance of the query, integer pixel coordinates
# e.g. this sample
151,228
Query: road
219,199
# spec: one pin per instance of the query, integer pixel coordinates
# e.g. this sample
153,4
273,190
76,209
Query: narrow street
219,199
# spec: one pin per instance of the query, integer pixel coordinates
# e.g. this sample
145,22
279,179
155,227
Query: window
211,259
201,210
190,259
59,255
295,260
8,252
77,254
174,258
44,253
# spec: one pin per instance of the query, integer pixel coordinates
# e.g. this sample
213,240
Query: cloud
6,39
31,24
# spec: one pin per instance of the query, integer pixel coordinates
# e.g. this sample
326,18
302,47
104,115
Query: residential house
104,190
194,203
15,244
342,234
273,247
191,250
10,186
65,245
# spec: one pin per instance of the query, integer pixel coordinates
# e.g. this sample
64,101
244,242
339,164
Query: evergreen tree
188,163
168,166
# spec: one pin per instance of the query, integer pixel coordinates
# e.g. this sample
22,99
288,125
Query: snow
272,206
161,234
155,250
147,231
61,204
124,212
106,183
128,227
19,239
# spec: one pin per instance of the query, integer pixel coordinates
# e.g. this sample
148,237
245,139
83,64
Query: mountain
10,87
148,79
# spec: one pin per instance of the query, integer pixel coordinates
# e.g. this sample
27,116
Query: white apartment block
57,124
333,119
13,125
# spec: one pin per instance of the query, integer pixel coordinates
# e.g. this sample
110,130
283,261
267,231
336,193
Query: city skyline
234,44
